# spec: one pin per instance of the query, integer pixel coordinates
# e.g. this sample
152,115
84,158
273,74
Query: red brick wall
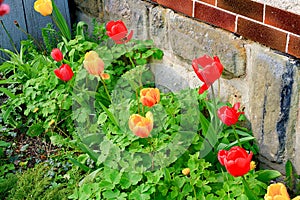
270,26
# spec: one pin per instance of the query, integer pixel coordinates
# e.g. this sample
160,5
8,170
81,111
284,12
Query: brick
283,19
263,34
294,46
246,8
212,2
215,16
182,6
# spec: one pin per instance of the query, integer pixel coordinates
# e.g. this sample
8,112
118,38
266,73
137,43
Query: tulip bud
229,115
4,9
252,165
186,171
94,64
64,73
51,122
57,55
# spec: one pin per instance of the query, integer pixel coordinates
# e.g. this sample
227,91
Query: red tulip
141,126
4,9
118,32
210,71
149,96
236,160
228,115
57,55
64,73
1,1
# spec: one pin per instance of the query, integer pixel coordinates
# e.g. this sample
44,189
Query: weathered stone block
190,39
91,7
272,94
134,13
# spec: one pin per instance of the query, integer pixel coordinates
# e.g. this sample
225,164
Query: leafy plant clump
109,132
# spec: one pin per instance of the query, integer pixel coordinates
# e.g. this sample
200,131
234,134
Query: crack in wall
285,103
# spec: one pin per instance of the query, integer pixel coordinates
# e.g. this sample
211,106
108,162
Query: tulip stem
152,149
236,135
137,97
105,88
9,36
130,59
213,97
215,108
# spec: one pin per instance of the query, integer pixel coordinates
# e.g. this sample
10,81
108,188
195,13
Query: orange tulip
94,64
141,126
150,96
277,191
44,7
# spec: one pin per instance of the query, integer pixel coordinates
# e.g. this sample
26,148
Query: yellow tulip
277,191
44,7
94,64
141,126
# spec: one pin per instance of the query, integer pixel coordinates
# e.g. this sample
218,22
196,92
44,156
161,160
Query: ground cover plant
82,118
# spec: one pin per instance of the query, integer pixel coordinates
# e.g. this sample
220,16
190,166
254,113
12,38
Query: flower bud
186,171
57,55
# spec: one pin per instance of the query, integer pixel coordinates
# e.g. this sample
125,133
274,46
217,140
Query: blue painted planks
30,20
35,21
16,13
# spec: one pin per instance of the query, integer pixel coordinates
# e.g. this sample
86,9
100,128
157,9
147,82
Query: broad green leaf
267,175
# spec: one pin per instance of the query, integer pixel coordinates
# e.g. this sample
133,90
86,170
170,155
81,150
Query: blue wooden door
22,11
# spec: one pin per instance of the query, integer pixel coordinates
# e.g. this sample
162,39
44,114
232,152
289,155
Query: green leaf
248,192
7,92
35,130
7,112
158,54
109,114
110,194
60,22
4,144
167,175
290,174
267,175
3,82
90,177
101,118
86,150
82,166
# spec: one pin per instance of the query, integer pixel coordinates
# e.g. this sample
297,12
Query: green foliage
7,184
37,183
87,118
50,37
292,178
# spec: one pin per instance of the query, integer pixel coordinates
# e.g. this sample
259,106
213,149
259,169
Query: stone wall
266,82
